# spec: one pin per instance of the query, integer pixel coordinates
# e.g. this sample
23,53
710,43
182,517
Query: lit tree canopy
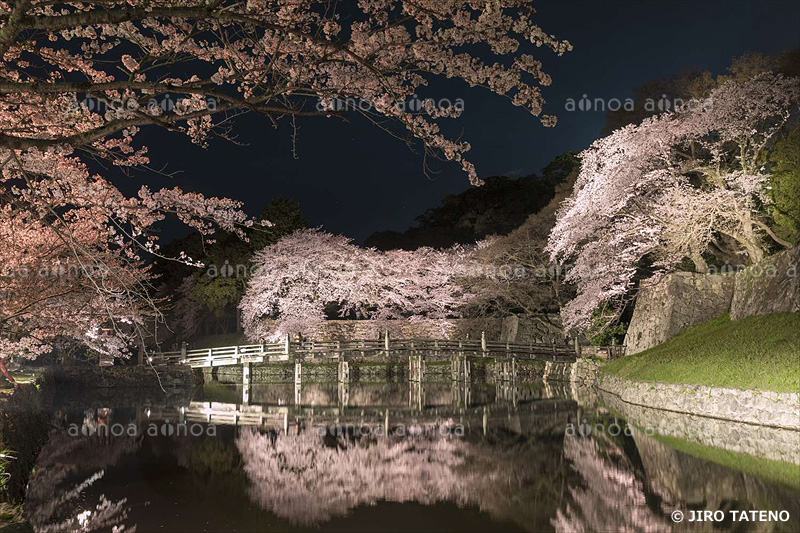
135,59
678,186
80,80
303,274
75,285
514,273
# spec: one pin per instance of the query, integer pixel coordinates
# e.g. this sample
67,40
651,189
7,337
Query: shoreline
762,424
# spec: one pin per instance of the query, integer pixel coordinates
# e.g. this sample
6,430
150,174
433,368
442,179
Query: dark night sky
355,179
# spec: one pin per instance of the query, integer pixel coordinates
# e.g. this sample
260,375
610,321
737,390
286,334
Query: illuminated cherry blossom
677,186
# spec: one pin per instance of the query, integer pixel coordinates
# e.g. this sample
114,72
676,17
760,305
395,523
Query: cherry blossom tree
514,273
683,185
226,57
72,270
305,273
65,285
80,80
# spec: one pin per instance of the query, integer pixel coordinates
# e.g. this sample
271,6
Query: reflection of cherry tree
106,514
611,498
300,479
55,503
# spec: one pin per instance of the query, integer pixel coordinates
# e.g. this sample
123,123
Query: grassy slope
775,471
761,352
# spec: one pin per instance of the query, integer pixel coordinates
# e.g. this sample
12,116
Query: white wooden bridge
385,349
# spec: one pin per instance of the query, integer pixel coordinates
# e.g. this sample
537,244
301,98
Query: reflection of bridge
287,417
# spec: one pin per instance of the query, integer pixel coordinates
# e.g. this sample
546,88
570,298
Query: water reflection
380,457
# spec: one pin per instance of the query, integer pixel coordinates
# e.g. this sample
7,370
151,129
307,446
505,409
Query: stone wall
772,286
532,330
121,377
678,301
683,299
511,329
695,421
764,408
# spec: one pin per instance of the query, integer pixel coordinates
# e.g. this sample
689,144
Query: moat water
381,457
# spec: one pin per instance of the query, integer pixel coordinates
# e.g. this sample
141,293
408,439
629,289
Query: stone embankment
681,300
761,423
122,377
583,371
765,408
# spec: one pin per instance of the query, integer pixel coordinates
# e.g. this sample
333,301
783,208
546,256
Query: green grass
775,471
760,352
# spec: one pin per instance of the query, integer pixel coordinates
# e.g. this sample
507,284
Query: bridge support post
343,393
507,370
247,378
298,398
483,344
461,368
343,371
298,373
416,395
416,368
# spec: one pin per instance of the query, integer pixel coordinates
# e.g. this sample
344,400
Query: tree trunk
700,265
4,371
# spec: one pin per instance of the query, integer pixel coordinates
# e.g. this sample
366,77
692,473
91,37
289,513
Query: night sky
356,179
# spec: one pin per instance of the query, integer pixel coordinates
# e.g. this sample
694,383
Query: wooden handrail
334,350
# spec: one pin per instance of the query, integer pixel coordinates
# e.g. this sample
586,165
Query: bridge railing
361,348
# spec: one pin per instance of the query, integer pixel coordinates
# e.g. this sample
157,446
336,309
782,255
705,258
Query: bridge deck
363,350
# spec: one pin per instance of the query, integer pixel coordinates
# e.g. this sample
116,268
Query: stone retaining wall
509,329
768,442
678,301
683,299
765,408
121,377
772,286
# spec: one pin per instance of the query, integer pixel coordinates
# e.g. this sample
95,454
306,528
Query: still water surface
382,457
